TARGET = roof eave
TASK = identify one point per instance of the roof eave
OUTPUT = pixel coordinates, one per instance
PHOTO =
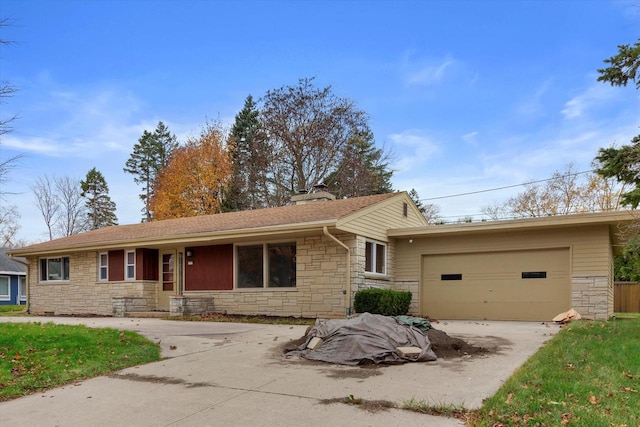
(558, 221)
(194, 238)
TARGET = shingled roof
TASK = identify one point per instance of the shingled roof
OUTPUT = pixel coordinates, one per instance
(317, 213)
(11, 266)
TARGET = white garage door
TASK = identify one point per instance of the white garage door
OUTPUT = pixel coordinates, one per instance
(515, 285)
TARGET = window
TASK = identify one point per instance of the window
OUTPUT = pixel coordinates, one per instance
(22, 291)
(4, 288)
(534, 274)
(130, 266)
(54, 269)
(250, 267)
(456, 276)
(375, 257)
(282, 265)
(270, 265)
(103, 266)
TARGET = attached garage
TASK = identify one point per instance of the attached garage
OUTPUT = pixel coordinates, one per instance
(528, 269)
(510, 285)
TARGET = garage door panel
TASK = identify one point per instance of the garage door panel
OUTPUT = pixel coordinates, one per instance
(490, 285)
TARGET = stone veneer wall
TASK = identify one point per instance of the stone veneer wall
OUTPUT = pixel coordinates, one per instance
(364, 280)
(592, 296)
(320, 281)
(83, 293)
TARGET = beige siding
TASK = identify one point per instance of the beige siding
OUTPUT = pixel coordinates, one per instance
(591, 259)
(590, 248)
(374, 221)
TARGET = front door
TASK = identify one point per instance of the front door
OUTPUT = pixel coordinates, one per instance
(167, 279)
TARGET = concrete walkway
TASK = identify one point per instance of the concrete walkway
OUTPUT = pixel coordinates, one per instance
(234, 374)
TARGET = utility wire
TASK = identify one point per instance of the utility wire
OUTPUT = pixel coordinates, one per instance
(505, 187)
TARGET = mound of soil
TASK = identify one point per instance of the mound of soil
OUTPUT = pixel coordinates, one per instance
(444, 346)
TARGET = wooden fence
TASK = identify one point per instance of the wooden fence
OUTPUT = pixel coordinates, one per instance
(626, 297)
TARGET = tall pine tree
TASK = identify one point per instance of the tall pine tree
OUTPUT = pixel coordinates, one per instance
(150, 155)
(362, 170)
(248, 153)
(100, 207)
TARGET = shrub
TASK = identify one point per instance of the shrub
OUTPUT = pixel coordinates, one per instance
(382, 301)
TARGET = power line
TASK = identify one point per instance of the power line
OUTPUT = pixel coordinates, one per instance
(505, 187)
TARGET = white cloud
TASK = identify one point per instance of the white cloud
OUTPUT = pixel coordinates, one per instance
(412, 148)
(591, 98)
(431, 71)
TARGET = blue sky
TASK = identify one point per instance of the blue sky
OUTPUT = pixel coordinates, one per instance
(466, 95)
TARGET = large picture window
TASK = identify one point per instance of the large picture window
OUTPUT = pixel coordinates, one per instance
(4, 288)
(270, 265)
(375, 257)
(54, 269)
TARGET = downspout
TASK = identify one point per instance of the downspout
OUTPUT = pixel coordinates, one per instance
(26, 264)
(348, 287)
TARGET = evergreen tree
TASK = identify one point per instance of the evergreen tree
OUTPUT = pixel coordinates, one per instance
(362, 170)
(150, 155)
(100, 207)
(247, 151)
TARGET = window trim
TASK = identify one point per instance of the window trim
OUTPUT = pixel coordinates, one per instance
(46, 278)
(266, 277)
(374, 257)
(102, 267)
(7, 296)
(127, 265)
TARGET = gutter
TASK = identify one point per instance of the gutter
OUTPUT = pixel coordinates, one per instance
(26, 264)
(347, 291)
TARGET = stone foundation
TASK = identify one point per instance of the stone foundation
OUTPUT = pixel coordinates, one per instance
(186, 306)
(592, 297)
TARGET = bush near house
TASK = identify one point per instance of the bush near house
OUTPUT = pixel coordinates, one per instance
(382, 301)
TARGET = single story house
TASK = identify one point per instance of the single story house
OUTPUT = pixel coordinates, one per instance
(13, 279)
(308, 259)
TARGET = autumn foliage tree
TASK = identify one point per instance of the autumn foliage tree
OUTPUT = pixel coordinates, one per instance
(194, 179)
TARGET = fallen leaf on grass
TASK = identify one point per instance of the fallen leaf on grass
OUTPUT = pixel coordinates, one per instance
(509, 397)
(628, 389)
(566, 418)
(594, 400)
(628, 375)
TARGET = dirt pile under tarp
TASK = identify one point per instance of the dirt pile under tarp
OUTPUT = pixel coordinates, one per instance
(364, 339)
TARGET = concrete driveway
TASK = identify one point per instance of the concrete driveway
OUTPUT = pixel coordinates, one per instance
(234, 374)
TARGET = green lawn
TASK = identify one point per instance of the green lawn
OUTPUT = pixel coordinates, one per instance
(37, 356)
(12, 310)
(587, 375)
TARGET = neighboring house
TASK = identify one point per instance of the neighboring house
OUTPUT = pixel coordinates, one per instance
(13, 279)
(308, 260)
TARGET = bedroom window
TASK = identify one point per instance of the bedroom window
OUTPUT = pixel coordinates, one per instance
(54, 269)
(103, 266)
(375, 257)
(270, 265)
(130, 265)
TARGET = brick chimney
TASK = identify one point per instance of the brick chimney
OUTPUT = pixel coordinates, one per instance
(317, 194)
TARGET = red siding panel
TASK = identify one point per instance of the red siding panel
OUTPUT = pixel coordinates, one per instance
(211, 268)
(147, 264)
(116, 266)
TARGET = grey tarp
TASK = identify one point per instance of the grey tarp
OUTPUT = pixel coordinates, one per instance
(367, 338)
